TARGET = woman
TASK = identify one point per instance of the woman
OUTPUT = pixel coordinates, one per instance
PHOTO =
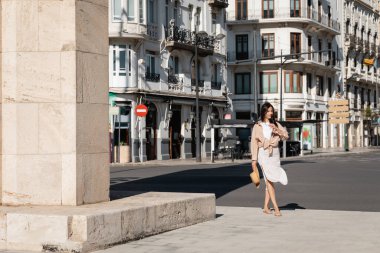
(266, 135)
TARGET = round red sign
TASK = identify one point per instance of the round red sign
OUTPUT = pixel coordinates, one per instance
(141, 110)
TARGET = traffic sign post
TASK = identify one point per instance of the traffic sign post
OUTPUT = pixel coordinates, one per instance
(141, 110)
(339, 113)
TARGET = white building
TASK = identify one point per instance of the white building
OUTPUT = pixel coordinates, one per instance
(152, 62)
(266, 28)
(361, 23)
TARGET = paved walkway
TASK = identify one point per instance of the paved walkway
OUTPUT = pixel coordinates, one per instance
(240, 229)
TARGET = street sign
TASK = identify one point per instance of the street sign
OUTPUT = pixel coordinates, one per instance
(338, 111)
(338, 121)
(339, 115)
(338, 102)
(141, 110)
(338, 108)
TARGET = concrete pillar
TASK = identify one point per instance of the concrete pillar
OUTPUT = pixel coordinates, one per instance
(54, 102)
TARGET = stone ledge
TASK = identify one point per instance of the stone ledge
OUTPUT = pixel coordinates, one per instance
(97, 226)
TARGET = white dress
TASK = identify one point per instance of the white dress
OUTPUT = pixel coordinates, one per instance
(270, 165)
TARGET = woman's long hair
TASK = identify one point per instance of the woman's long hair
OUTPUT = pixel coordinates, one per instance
(264, 109)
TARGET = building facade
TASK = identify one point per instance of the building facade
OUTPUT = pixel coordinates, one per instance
(306, 43)
(361, 69)
(152, 61)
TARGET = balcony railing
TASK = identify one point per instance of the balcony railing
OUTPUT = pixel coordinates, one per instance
(152, 31)
(153, 77)
(201, 83)
(239, 56)
(218, 3)
(173, 79)
(216, 85)
(180, 38)
(305, 13)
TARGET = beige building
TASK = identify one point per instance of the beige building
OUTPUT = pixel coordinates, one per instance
(152, 62)
(361, 29)
(300, 86)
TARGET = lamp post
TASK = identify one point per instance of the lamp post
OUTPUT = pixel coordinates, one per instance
(346, 126)
(197, 116)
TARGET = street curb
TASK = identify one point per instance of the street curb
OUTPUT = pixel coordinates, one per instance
(171, 163)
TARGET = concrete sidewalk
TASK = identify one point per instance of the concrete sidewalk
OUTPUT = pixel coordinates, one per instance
(316, 153)
(239, 229)
(247, 230)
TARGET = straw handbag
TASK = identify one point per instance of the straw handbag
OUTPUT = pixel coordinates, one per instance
(255, 177)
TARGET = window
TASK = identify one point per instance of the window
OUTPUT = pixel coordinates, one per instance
(293, 83)
(243, 83)
(174, 65)
(242, 47)
(117, 9)
(268, 82)
(309, 81)
(215, 77)
(121, 65)
(167, 12)
(295, 43)
(375, 99)
(319, 50)
(309, 47)
(319, 11)
(268, 9)
(329, 15)
(213, 25)
(131, 10)
(309, 7)
(268, 44)
(329, 86)
(141, 11)
(150, 63)
(151, 12)
(175, 13)
(241, 9)
(319, 86)
(295, 8)
(329, 53)
(369, 97)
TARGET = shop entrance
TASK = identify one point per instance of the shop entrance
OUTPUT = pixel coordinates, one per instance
(175, 138)
(151, 132)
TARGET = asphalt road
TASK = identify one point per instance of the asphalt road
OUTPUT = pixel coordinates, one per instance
(348, 183)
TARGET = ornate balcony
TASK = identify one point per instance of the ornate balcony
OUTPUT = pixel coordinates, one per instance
(218, 3)
(316, 20)
(153, 77)
(201, 83)
(216, 85)
(180, 38)
(173, 79)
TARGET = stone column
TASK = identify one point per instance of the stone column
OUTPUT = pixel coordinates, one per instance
(53, 73)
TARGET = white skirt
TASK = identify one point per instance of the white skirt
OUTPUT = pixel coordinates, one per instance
(271, 167)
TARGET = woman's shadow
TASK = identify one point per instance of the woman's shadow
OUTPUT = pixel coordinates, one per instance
(291, 206)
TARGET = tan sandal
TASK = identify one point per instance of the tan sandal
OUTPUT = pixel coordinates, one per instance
(278, 213)
(267, 211)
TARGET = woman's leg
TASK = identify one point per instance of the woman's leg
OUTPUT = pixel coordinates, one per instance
(267, 198)
(272, 195)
